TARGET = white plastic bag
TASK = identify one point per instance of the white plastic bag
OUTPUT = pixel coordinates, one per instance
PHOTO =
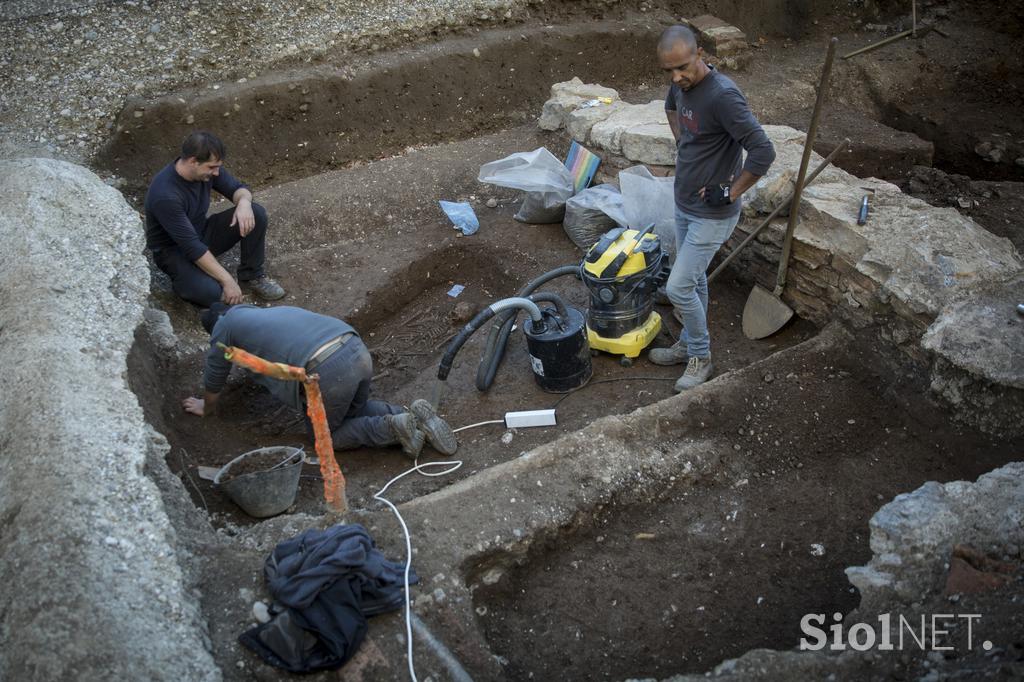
(545, 179)
(591, 213)
(647, 199)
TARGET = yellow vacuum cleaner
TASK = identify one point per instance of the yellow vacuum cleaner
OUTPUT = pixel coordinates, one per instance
(622, 271)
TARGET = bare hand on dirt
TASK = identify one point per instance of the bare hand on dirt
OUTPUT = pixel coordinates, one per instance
(244, 218)
(196, 406)
(232, 293)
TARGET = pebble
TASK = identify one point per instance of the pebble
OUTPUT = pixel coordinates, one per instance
(260, 612)
(506, 438)
(492, 203)
(769, 378)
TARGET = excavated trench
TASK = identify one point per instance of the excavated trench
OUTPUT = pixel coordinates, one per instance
(674, 577)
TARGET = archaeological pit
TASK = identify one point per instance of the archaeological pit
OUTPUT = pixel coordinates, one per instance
(835, 467)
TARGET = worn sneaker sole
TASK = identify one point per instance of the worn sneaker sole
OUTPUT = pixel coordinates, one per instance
(439, 434)
(408, 434)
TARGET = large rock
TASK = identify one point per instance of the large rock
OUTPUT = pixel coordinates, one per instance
(566, 98)
(608, 133)
(912, 536)
(93, 581)
(650, 143)
(580, 122)
(718, 37)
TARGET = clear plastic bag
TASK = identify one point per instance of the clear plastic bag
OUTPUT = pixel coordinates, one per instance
(591, 213)
(545, 179)
(648, 199)
(462, 216)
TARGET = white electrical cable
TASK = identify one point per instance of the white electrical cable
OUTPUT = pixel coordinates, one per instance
(473, 426)
(408, 542)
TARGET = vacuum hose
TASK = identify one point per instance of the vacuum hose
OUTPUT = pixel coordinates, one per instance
(497, 339)
(478, 321)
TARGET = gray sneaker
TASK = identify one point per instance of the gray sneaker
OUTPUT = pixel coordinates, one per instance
(403, 427)
(265, 288)
(673, 355)
(438, 433)
(698, 370)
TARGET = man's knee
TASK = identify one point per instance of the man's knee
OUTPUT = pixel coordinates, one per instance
(198, 288)
(260, 214)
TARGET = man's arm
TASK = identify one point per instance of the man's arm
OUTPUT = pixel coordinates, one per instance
(211, 266)
(243, 217)
(673, 122)
(215, 375)
(739, 122)
(670, 112)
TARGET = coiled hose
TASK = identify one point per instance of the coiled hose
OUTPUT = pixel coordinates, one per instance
(513, 305)
(497, 339)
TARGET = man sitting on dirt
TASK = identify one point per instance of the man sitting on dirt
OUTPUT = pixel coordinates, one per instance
(185, 242)
(712, 124)
(331, 349)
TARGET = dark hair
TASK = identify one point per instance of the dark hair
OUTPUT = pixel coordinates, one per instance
(203, 145)
(673, 35)
(210, 316)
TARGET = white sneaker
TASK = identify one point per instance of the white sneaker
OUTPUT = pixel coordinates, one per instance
(698, 370)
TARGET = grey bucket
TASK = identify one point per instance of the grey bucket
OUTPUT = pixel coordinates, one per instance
(264, 493)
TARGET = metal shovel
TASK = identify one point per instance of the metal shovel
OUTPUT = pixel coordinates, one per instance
(765, 313)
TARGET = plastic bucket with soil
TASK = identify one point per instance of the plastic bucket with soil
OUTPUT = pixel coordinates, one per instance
(263, 482)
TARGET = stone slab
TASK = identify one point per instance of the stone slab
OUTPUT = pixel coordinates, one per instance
(566, 98)
(608, 133)
(94, 584)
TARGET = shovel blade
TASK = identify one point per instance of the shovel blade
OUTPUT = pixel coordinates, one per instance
(764, 314)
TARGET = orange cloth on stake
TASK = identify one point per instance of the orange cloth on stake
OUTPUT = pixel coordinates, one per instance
(334, 480)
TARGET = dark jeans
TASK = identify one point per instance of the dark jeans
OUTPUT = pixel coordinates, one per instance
(354, 419)
(190, 282)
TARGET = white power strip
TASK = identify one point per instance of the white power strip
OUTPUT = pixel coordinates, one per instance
(519, 420)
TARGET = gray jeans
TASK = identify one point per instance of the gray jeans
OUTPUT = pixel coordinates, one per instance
(354, 419)
(697, 241)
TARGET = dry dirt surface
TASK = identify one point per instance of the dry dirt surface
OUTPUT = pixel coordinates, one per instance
(697, 574)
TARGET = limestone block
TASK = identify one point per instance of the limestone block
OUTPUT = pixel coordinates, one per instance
(650, 143)
(913, 535)
(566, 97)
(580, 121)
(608, 133)
(717, 37)
(983, 334)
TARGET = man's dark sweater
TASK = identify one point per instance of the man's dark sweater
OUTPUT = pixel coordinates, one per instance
(176, 209)
(280, 334)
(715, 126)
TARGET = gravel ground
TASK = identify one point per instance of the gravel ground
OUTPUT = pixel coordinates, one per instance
(65, 75)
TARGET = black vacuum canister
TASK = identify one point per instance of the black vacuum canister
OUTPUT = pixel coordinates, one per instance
(559, 351)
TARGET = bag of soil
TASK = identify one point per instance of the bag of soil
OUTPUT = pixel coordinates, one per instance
(647, 199)
(591, 213)
(545, 179)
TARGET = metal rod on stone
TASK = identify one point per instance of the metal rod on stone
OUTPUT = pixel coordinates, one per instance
(880, 43)
(778, 209)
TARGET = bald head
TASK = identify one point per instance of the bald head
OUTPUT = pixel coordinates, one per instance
(674, 36)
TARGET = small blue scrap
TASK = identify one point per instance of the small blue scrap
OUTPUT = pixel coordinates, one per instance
(456, 290)
(462, 215)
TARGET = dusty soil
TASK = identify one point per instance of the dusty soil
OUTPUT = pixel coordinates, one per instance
(707, 572)
(407, 318)
(819, 443)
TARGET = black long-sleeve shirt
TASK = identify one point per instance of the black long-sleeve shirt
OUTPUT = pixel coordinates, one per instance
(715, 126)
(176, 209)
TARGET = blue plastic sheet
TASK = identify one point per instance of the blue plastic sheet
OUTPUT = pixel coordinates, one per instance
(462, 216)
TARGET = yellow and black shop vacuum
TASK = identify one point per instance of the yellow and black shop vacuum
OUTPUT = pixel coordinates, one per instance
(622, 272)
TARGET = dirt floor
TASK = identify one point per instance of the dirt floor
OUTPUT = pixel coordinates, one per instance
(705, 572)
(708, 571)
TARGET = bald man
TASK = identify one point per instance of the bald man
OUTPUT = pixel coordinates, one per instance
(712, 125)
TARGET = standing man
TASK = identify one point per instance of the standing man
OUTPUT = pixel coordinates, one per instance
(185, 242)
(712, 125)
(330, 348)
